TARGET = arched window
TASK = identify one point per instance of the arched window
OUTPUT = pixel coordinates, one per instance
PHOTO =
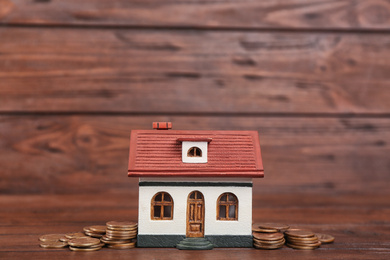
(194, 152)
(162, 206)
(227, 207)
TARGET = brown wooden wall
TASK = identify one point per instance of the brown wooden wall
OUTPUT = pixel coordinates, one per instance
(313, 77)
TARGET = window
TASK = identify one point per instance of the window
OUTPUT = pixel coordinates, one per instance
(162, 206)
(194, 152)
(227, 207)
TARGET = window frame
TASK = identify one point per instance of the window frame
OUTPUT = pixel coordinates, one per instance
(227, 204)
(162, 204)
(194, 148)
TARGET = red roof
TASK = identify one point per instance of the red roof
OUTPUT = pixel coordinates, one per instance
(230, 154)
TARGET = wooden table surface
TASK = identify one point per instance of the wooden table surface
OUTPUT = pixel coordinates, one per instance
(311, 76)
(359, 222)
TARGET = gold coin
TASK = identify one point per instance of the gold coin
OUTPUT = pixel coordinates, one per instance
(85, 249)
(268, 236)
(75, 235)
(325, 238)
(53, 244)
(301, 247)
(51, 237)
(276, 226)
(83, 242)
(121, 224)
(299, 233)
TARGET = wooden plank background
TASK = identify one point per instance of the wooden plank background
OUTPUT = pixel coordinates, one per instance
(311, 76)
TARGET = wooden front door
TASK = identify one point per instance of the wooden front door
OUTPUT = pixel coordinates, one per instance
(195, 214)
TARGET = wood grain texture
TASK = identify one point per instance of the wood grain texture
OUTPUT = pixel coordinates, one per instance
(81, 154)
(360, 223)
(311, 76)
(290, 14)
(138, 71)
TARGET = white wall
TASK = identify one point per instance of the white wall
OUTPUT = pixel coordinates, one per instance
(243, 226)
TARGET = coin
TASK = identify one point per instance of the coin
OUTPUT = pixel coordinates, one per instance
(116, 232)
(122, 246)
(83, 242)
(120, 237)
(275, 242)
(276, 226)
(299, 233)
(256, 228)
(53, 244)
(98, 229)
(90, 234)
(303, 239)
(98, 245)
(87, 229)
(301, 247)
(121, 224)
(51, 237)
(119, 241)
(269, 244)
(316, 243)
(63, 239)
(85, 249)
(325, 238)
(262, 246)
(75, 235)
(268, 236)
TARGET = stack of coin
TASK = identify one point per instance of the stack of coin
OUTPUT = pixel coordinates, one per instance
(268, 240)
(51, 241)
(268, 235)
(95, 231)
(269, 227)
(85, 244)
(301, 239)
(120, 234)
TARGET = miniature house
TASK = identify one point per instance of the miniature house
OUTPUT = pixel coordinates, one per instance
(194, 184)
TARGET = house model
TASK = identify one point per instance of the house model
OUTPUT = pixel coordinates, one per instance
(194, 186)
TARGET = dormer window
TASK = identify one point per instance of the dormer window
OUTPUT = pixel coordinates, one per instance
(194, 152)
(194, 149)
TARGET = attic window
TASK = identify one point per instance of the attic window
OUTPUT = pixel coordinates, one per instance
(194, 152)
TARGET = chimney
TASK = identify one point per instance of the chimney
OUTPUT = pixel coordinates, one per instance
(162, 125)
